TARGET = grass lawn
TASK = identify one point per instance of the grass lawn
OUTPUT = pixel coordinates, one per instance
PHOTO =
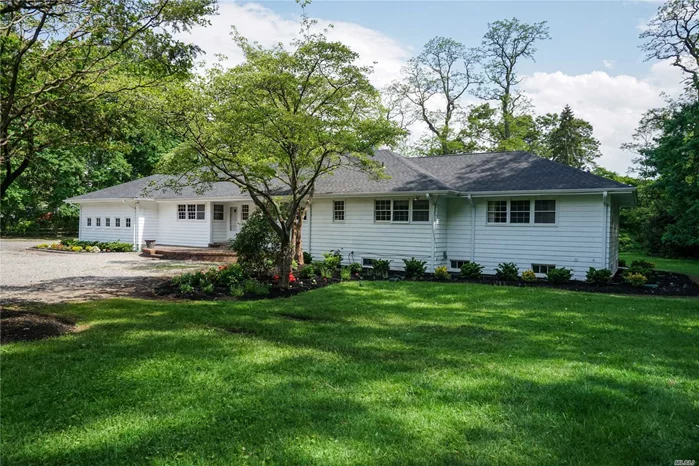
(382, 373)
(686, 266)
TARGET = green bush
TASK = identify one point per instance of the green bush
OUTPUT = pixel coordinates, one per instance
(308, 271)
(236, 291)
(636, 280)
(621, 263)
(507, 271)
(381, 267)
(112, 246)
(643, 264)
(254, 287)
(598, 277)
(441, 273)
(326, 272)
(414, 268)
(332, 260)
(637, 269)
(345, 273)
(559, 276)
(471, 270)
(307, 258)
(256, 244)
(528, 276)
(208, 288)
(356, 267)
(186, 289)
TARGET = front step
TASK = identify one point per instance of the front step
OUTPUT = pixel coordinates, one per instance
(193, 254)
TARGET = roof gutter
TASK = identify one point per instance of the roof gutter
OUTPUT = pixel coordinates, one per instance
(551, 192)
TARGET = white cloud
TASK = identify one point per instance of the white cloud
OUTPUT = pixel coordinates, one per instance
(609, 64)
(261, 24)
(612, 104)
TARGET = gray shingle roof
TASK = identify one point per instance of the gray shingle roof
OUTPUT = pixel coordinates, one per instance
(499, 171)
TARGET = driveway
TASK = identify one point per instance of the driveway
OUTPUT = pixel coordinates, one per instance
(40, 276)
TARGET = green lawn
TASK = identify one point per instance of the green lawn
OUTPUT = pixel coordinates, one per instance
(384, 373)
(686, 266)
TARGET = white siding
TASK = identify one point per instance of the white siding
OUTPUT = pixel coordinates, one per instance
(458, 230)
(613, 238)
(363, 237)
(147, 221)
(576, 242)
(439, 209)
(104, 233)
(176, 232)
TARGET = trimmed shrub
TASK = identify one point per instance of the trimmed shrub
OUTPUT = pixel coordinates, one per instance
(381, 267)
(636, 280)
(256, 244)
(471, 270)
(559, 276)
(307, 258)
(643, 264)
(414, 268)
(528, 276)
(441, 273)
(507, 271)
(598, 277)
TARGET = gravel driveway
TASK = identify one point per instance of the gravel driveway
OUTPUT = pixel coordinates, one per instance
(40, 276)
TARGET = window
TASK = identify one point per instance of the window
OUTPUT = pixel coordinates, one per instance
(98, 222)
(401, 209)
(457, 264)
(117, 222)
(545, 211)
(366, 262)
(107, 220)
(382, 211)
(338, 211)
(89, 221)
(128, 222)
(218, 211)
(542, 268)
(497, 211)
(421, 210)
(519, 211)
(244, 212)
(191, 211)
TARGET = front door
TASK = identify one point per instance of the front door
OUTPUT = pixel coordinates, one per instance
(232, 221)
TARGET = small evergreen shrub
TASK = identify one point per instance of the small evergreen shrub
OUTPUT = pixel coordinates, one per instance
(414, 268)
(507, 271)
(559, 276)
(307, 258)
(643, 264)
(441, 273)
(381, 267)
(471, 270)
(528, 276)
(636, 280)
(598, 277)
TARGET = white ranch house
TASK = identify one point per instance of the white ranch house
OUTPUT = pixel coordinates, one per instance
(486, 208)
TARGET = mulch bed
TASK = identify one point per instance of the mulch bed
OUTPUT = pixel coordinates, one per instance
(30, 326)
(170, 290)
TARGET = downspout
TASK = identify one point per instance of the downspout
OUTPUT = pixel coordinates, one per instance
(473, 228)
(605, 227)
(434, 237)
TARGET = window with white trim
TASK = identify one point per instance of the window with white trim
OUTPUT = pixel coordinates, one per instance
(127, 221)
(545, 211)
(421, 210)
(117, 222)
(458, 263)
(107, 221)
(98, 222)
(497, 211)
(338, 211)
(89, 221)
(218, 211)
(191, 211)
(382, 210)
(244, 212)
(542, 268)
(401, 210)
(520, 211)
(367, 262)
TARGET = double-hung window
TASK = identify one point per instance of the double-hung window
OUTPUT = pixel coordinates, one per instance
(244, 212)
(89, 221)
(107, 221)
(98, 222)
(128, 222)
(117, 222)
(421, 210)
(191, 211)
(522, 212)
(401, 210)
(497, 211)
(218, 211)
(338, 211)
(545, 211)
(382, 210)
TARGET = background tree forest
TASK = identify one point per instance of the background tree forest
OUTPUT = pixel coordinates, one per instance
(74, 114)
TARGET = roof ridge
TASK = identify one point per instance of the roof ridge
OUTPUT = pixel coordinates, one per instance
(416, 168)
(461, 154)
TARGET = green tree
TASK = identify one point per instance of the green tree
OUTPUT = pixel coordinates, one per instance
(569, 140)
(276, 124)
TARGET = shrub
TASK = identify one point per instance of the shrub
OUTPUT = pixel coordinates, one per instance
(441, 273)
(414, 268)
(94, 249)
(471, 270)
(186, 289)
(381, 267)
(228, 275)
(621, 263)
(643, 264)
(254, 287)
(236, 291)
(507, 271)
(256, 244)
(76, 249)
(636, 280)
(208, 288)
(118, 246)
(647, 272)
(42, 246)
(332, 260)
(307, 258)
(345, 273)
(326, 272)
(598, 277)
(308, 271)
(528, 276)
(355, 267)
(559, 276)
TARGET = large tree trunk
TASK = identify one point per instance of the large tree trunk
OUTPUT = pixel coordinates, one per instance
(297, 240)
(287, 256)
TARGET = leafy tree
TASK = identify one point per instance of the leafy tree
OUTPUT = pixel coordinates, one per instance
(504, 45)
(482, 131)
(569, 140)
(61, 60)
(277, 123)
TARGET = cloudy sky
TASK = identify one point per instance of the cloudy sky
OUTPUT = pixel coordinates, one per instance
(592, 63)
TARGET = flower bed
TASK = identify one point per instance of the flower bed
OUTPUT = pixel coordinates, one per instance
(77, 246)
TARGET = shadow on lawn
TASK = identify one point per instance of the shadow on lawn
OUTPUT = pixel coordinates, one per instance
(488, 378)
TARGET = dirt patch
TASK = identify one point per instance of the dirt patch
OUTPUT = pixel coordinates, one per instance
(30, 326)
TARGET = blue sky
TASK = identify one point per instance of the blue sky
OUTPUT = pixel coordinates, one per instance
(593, 61)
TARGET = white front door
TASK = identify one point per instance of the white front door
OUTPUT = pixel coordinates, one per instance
(232, 221)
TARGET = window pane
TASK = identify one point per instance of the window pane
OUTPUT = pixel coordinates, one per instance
(89, 221)
(545, 205)
(181, 211)
(544, 217)
(218, 211)
(519, 211)
(497, 211)
(401, 210)
(338, 211)
(382, 211)
(98, 221)
(545, 211)
(191, 211)
(117, 222)
(244, 212)
(128, 223)
(421, 210)
(201, 211)
(106, 221)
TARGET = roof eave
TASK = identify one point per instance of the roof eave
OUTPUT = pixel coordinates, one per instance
(549, 192)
